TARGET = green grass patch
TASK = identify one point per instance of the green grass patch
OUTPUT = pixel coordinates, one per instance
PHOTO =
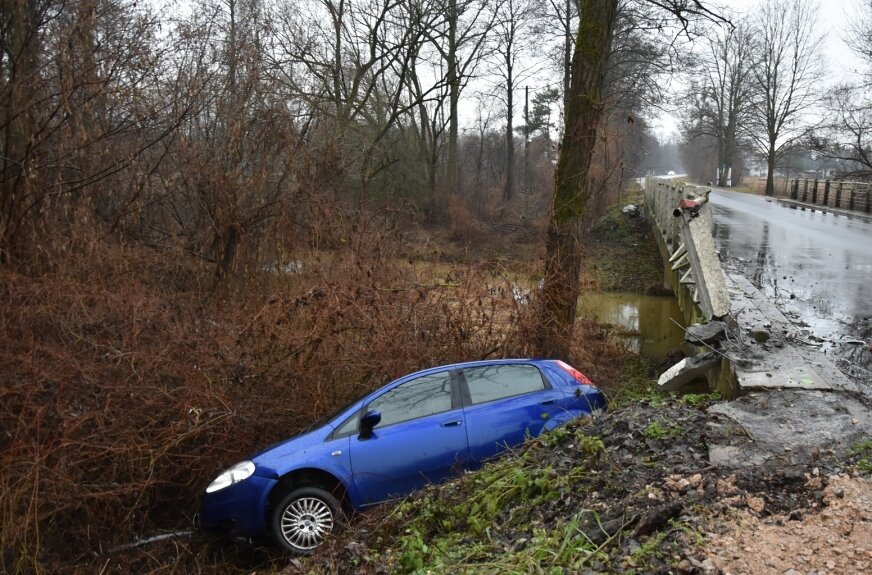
(662, 430)
(622, 254)
(700, 399)
(863, 450)
(637, 383)
(460, 527)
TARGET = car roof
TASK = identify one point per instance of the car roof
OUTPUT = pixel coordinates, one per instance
(478, 363)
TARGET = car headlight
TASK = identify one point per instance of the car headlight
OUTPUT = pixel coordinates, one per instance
(233, 474)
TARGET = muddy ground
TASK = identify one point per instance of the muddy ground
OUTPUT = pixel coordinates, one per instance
(648, 501)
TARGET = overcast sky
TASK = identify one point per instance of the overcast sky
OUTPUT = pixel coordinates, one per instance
(843, 65)
(835, 24)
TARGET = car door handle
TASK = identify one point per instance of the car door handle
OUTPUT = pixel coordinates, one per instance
(548, 402)
(453, 423)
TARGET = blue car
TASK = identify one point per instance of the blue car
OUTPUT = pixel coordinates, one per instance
(418, 429)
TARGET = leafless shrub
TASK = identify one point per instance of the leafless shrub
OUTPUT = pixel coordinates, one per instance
(128, 383)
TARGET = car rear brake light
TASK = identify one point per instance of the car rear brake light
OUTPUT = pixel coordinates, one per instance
(576, 375)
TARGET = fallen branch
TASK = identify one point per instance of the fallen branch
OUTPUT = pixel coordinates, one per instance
(149, 540)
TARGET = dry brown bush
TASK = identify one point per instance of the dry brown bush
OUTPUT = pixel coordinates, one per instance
(465, 225)
(126, 385)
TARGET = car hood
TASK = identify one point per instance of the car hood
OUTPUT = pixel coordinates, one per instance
(298, 447)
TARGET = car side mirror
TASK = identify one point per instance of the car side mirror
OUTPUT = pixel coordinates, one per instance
(369, 420)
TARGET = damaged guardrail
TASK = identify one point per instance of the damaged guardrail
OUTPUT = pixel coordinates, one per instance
(682, 215)
(738, 340)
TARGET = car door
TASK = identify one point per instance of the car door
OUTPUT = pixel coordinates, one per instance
(421, 438)
(503, 404)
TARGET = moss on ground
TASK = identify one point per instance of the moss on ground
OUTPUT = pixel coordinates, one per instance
(621, 254)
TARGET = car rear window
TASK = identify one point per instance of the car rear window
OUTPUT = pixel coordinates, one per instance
(498, 381)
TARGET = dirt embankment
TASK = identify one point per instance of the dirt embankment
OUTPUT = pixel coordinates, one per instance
(629, 492)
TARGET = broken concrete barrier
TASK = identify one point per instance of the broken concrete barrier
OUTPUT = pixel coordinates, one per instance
(688, 370)
(707, 333)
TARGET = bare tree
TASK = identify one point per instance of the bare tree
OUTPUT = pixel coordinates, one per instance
(510, 47)
(860, 36)
(356, 65)
(846, 134)
(786, 74)
(21, 43)
(721, 94)
(641, 58)
(584, 106)
(76, 85)
(428, 93)
(572, 181)
(559, 20)
(460, 42)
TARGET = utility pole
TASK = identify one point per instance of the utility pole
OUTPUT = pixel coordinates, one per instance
(527, 142)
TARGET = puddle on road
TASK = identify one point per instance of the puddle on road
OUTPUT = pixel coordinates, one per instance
(815, 267)
(647, 319)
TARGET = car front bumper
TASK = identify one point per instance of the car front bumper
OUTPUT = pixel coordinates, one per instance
(240, 509)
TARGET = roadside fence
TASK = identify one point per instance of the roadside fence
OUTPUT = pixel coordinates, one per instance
(851, 196)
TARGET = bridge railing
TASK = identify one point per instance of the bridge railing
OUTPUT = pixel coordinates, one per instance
(849, 196)
(682, 216)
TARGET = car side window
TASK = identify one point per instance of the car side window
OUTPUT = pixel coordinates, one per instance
(498, 381)
(419, 397)
(347, 427)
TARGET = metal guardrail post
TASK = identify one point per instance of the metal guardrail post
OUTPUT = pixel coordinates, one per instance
(868, 200)
(826, 201)
(852, 196)
(805, 190)
(794, 194)
(839, 195)
(814, 191)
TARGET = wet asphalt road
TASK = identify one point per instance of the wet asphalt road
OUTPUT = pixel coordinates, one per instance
(816, 267)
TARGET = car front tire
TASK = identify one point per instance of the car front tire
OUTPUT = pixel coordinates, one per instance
(304, 518)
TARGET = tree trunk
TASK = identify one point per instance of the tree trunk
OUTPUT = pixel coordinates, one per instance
(770, 172)
(567, 55)
(21, 19)
(454, 98)
(572, 185)
(509, 191)
(729, 154)
(87, 101)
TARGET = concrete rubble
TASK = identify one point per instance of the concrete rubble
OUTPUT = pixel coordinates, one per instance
(687, 371)
(791, 401)
(706, 333)
(788, 427)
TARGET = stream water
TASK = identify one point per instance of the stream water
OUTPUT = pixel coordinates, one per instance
(646, 319)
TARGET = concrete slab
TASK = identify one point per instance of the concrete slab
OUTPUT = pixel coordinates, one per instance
(687, 371)
(789, 426)
(770, 356)
(706, 333)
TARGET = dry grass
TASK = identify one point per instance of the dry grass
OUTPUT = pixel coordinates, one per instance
(127, 383)
(757, 186)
